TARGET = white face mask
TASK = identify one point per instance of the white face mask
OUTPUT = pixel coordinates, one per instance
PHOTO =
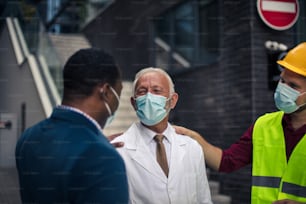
(285, 98)
(151, 108)
(111, 115)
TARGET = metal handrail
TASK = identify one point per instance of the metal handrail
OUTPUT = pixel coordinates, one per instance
(175, 56)
(42, 79)
(16, 45)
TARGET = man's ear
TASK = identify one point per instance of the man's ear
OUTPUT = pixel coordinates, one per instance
(173, 100)
(103, 89)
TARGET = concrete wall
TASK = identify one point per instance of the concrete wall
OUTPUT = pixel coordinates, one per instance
(17, 87)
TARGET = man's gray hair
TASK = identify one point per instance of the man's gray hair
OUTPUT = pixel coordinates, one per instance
(153, 69)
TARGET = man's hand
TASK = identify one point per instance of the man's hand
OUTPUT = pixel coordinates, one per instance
(185, 131)
(286, 201)
(212, 153)
(115, 144)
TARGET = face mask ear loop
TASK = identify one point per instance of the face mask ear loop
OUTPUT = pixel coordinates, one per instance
(108, 108)
(302, 105)
(135, 103)
(169, 99)
(302, 94)
(106, 105)
(115, 93)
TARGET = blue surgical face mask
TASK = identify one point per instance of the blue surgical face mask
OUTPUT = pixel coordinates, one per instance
(111, 115)
(110, 119)
(285, 98)
(151, 108)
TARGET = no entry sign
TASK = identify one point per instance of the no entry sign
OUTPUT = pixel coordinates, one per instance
(278, 14)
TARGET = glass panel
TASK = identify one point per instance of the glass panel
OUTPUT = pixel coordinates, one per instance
(161, 56)
(36, 38)
(94, 7)
(184, 27)
(163, 28)
(191, 31)
(66, 16)
(45, 49)
(208, 30)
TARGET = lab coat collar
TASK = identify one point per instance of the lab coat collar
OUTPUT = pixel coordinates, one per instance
(148, 135)
(139, 151)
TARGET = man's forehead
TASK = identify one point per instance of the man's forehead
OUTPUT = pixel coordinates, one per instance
(154, 76)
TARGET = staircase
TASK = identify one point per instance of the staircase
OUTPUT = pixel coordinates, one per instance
(125, 115)
(216, 197)
(67, 44)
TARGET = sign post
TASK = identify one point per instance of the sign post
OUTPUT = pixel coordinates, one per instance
(278, 14)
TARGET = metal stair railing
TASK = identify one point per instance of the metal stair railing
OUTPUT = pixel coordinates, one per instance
(45, 86)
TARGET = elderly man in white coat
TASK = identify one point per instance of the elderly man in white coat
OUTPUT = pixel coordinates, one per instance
(171, 171)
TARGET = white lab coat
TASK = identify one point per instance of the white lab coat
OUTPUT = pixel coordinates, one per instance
(187, 181)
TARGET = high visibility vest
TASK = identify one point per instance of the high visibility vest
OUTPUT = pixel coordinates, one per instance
(272, 177)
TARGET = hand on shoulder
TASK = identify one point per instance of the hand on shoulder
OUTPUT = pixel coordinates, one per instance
(185, 131)
(112, 137)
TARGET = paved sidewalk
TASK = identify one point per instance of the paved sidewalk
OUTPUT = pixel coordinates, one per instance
(9, 187)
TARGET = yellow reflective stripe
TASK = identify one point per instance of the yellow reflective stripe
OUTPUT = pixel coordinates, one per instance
(294, 189)
(266, 181)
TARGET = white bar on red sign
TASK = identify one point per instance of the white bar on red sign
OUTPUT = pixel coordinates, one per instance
(278, 6)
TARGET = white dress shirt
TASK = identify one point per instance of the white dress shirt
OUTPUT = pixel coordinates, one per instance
(148, 137)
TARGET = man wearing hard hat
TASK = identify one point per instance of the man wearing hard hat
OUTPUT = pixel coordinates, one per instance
(275, 144)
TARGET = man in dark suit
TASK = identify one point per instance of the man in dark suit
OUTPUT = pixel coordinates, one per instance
(66, 158)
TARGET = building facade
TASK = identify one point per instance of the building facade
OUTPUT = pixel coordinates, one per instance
(216, 53)
(220, 54)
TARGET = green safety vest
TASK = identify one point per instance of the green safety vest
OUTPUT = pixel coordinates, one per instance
(272, 177)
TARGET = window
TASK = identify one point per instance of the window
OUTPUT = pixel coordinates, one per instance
(184, 30)
(187, 35)
(301, 23)
(208, 30)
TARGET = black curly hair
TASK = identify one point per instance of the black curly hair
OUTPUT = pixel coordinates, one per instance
(86, 69)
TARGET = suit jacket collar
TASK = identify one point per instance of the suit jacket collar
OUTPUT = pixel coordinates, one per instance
(74, 118)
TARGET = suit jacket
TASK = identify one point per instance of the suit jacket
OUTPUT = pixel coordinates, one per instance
(187, 181)
(66, 159)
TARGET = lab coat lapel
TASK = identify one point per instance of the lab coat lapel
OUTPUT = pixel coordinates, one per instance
(141, 154)
(178, 152)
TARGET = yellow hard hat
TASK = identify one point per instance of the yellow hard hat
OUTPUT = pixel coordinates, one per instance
(295, 60)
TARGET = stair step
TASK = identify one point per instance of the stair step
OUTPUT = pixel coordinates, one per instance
(221, 199)
(67, 44)
(214, 187)
(125, 114)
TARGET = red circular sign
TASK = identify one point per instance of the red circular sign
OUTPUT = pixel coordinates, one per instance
(278, 14)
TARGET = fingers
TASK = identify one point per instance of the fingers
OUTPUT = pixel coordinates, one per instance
(185, 131)
(111, 137)
(118, 144)
(180, 130)
(115, 144)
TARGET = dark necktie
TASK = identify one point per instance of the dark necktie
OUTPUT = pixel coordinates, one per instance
(161, 153)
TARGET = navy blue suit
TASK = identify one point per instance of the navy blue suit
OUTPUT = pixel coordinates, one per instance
(66, 159)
